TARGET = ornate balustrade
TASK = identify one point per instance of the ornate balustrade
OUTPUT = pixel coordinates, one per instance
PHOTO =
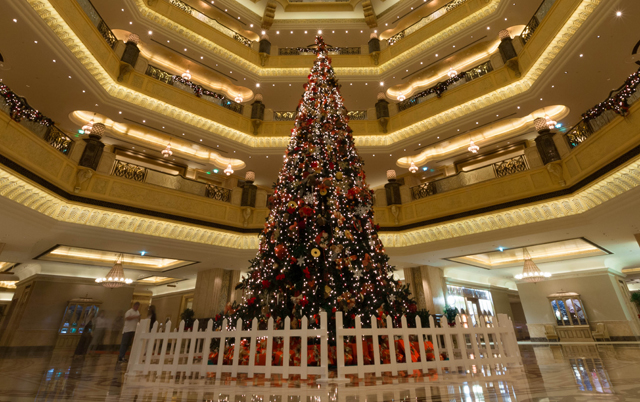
(291, 116)
(308, 51)
(218, 193)
(197, 90)
(129, 171)
(211, 22)
(59, 140)
(533, 24)
(424, 21)
(442, 86)
(467, 178)
(98, 22)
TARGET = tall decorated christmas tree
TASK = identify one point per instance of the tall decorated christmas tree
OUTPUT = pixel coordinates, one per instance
(320, 249)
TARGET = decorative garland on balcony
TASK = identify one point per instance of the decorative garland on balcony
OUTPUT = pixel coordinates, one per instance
(197, 89)
(438, 89)
(618, 102)
(20, 109)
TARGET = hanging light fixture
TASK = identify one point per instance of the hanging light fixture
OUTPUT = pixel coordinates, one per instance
(401, 98)
(452, 73)
(238, 99)
(86, 129)
(229, 170)
(473, 148)
(413, 168)
(550, 123)
(167, 152)
(115, 278)
(186, 75)
(530, 271)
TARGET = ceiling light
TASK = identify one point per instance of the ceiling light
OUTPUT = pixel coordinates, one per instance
(424, 168)
(150, 32)
(413, 168)
(381, 84)
(618, 14)
(251, 25)
(530, 271)
(320, 31)
(277, 32)
(15, 20)
(452, 73)
(115, 278)
(166, 153)
(473, 148)
(186, 75)
(229, 170)
(238, 99)
(581, 55)
(35, 41)
(257, 85)
(263, 32)
(401, 98)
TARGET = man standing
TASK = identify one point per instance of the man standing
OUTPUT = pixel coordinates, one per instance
(131, 318)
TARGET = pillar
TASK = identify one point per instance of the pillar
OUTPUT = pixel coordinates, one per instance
(427, 287)
(382, 111)
(506, 48)
(249, 190)
(392, 189)
(213, 291)
(264, 49)
(94, 147)
(544, 142)
(131, 50)
(257, 113)
(374, 48)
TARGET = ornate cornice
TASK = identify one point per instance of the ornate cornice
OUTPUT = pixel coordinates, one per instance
(17, 189)
(53, 19)
(620, 181)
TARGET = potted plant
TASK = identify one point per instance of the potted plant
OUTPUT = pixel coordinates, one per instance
(450, 312)
(187, 316)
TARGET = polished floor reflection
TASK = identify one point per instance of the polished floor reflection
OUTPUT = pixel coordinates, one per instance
(575, 372)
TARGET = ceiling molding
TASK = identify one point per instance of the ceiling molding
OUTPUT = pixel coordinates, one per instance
(60, 28)
(620, 181)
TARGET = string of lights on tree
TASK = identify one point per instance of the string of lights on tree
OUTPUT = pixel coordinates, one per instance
(618, 102)
(319, 249)
(19, 109)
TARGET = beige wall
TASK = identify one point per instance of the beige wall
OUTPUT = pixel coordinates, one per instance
(501, 302)
(599, 294)
(168, 306)
(41, 302)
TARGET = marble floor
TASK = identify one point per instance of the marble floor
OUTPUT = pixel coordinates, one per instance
(576, 372)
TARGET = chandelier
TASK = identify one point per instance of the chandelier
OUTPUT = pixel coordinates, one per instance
(115, 278)
(550, 123)
(530, 271)
(167, 152)
(473, 148)
(413, 168)
(229, 170)
(238, 99)
(401, 98)
(452, 73)
(186, 75)
(86, 129)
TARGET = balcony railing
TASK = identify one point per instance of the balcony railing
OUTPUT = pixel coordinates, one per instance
(617, 103)
(297, 51)
(196, 89)
(211, 22)
(424, 21)
(439, 88)
(533, 24)
(20, 111)
(131, 171)
(98, 22)
(291, 116)
(466, 178)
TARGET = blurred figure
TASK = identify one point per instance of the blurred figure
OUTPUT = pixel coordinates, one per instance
(85, 339)
(100, 325)
(151, 315)
(131, 319)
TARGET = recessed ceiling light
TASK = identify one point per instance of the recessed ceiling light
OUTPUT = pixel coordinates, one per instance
(185, 49)
(130, 22)
(263, 32)
(488, 27)
(305, 31)
(119, 112)
(420, 62)
(291, 32)
(144, 121)
(251, 25)
(381, 84)
(54, 61)
(619, 14)
(366, 83)
(168, 41)
(201, 58)
(257, 85)
(83, 91)
(581, 54)
(320, 31)
(518, 107)
(35, 41)
(436, 54)
(15, 20)
(277, 32)
(200, 139)
(69, 76)
(346, 31)
(123, 10)
(150, 32)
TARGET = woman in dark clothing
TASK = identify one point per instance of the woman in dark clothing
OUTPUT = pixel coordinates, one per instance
(151, 314)
(85, 339)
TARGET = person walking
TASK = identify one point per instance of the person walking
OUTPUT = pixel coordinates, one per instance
(101, 323)
(151, 315)
(131, 318)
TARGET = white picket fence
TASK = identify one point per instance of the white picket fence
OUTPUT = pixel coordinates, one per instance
(468, 348)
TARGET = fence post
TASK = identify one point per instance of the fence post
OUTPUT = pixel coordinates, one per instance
(136, 349)
(324, 347)
(339, 344)
(286, 340)
(376, 346)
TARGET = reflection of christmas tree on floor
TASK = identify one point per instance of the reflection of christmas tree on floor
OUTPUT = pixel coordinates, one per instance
(320, 248)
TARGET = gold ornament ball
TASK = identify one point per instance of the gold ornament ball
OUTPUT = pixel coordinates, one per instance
(292, 204)
(315, 253)
(339, 175)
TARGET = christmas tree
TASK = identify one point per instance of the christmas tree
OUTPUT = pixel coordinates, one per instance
(320, 249)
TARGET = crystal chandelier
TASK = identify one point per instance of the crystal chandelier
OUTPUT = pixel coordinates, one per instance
(550, 123)
(238, 99)
(473, 148)
(413, 168)
(452, 73)
(401, 98)
(229, 170)
(115, 278)
(186, 75)
(167, 152)
(530, 271)
(86, 129)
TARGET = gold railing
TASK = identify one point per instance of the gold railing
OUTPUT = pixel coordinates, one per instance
(423, 190)
(534, 23)
(129, 171)
(425, 21)
(284, 116)
(357, 114)
(218, 193)
(58, 140)
(511, 166)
